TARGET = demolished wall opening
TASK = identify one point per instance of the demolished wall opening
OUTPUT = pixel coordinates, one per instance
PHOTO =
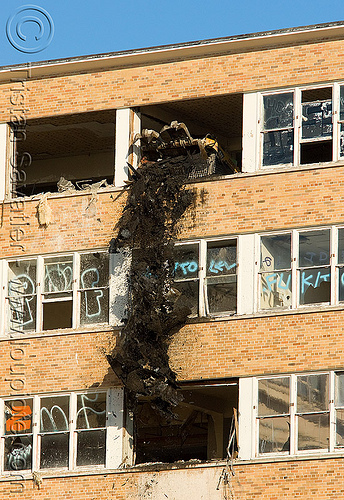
(200, 430)
(218, 118)
(78, 147)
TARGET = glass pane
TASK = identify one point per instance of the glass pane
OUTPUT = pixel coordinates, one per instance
(58, 274)
(91, 411)
(221, 259)
(278, 111)
(316, 119)
(22, 278)
(222, 294)
(54, 415)
(18, 451)
(185, 261)
(340, 428)
(278, 147)
(341, 112)
(94, 270)
(341, 246)
(312, 393)
(54, 450)
(274, 435)
(275, 290)
(22, 313)
(189, 291)
(341, 151)
(18, 416)
(94, 306)
(275, 252)
(314, 248)
(339, 401)
(341, 283)
(313, 431)
(91, 448)
(315, 285)
(273, 396)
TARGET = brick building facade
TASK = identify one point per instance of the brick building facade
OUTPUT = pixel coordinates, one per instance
(260, 260)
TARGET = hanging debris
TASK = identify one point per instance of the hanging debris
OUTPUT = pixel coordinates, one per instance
(44, 212)
(157, 199)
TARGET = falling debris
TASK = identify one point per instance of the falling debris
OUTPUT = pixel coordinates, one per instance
(64, 185)
(44, 212)
(157, 200)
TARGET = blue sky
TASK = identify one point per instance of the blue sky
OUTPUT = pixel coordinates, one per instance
(83, 27)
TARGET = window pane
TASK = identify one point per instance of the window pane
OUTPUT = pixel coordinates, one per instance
(278, 147)
(22, 278)
(91, 448)
(94, 270)
(189, 291)
(18, 416)
(57, 314)
(275, 252)
(341, 283)
(341, 246)
(185, 261)
(278, 111)
(274, 434)
(341, 115)
(91, 411)
(58, 274)
(222, 294)
(339, 401)
(54, 415)
(22, 313)
(314, 248)
(313, 431)
(18, 451)
(275, 290)
(316, 119)
(312, 393)
(340, 428)
(341, 151)
(221, 259)
(273, 396)
(94, 306)
(54, 450)
(315, 285)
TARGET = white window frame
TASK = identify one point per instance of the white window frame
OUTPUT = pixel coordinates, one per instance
(295, 269)
(202, 274)
(113, 428)
(76, 291)
(253, 126)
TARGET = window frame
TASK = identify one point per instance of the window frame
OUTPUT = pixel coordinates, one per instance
(334, 266)
(6, 329)
(203, 307)
(332, 408)
(113, 428)
(297, 123)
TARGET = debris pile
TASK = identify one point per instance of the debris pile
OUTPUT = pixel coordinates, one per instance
(157, 199)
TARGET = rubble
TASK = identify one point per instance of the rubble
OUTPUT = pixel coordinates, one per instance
(157, 199)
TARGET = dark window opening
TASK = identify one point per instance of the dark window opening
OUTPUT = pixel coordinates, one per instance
(57, 314)
(215, 121)
(200, 431)
(79, 148)
(316, 152)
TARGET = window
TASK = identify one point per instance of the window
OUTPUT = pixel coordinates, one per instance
(206, 275)
(64, 291)
(299, 414)
(61, 431)
(299, 268)
(302, 126)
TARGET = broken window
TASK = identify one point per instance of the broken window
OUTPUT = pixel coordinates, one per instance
(79, 148)
(293, 413)
(73, 292)
(62, 431)
(290, 137)
(201, 429)
(206, 275)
